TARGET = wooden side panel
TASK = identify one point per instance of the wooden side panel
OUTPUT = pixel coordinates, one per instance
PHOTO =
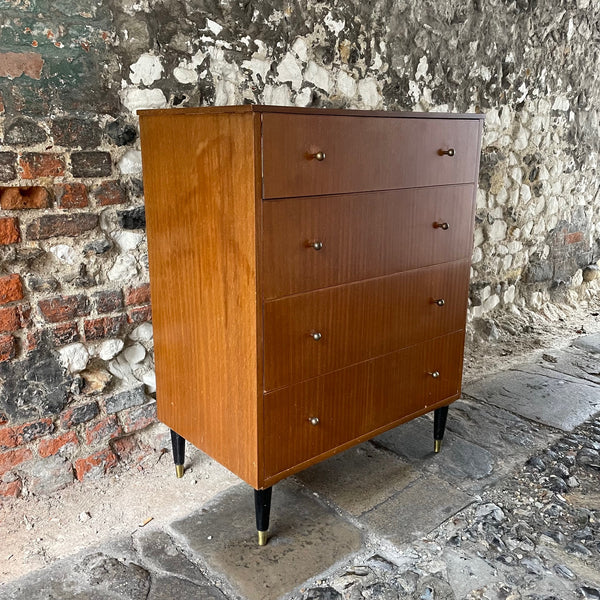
(199, 181)
(362, 236)
(361, 320)
(365, 153)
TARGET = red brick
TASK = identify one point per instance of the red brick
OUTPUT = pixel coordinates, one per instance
(573, 238)
(50, 226)
(67, 333)
(110, 192)
(11, 288)
(15, 64)
(32, 340)
(109, 301)
(12, 458)
(95, 465)
(137, 295)
(11, 489)
(11, 437)
(9, 319)
(139, 314)
(64, 308)
(8, 347)
(104, 327)
(138, 417)
(71, 195)
(130, 448)
(53, 446)
(104, 430)
(9, 231)
(18, 198)
(40, 164)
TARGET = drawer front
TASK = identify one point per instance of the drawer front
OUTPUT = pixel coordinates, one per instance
(355, 401)
(407, 381)
(314, 333)
(311, 243)
(364, 153)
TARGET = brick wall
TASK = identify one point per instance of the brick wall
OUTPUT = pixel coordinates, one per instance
(76, 363)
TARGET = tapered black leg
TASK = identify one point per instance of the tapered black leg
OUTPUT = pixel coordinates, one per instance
(262, 507)
(178, 444)
(439, 426)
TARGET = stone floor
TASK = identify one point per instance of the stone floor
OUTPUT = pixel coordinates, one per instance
(510, 509)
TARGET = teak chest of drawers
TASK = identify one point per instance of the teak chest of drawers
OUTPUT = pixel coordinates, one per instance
(309, 276)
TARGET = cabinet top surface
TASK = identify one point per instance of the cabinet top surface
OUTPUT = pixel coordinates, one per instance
(257, 108)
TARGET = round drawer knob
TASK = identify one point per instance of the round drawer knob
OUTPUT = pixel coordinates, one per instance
(443, 226)
(319, 155)
(316, 245)
(440, 302)
(435, 374)
(313, 420)
(316, 336)
(449, 152)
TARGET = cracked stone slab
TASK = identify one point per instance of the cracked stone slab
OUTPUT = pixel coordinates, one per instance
(110, 572)
(577, 363)
(416, 510)
(359, 479)
(158, 552)
(173, 588)
(554, 399)
(305, 539)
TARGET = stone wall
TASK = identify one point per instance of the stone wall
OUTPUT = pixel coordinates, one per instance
(76, 365)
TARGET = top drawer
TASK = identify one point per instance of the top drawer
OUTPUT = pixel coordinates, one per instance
(364, 153)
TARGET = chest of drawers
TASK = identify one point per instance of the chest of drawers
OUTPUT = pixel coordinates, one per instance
(309, 275)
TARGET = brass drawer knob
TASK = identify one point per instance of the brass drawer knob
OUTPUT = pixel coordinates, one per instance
(318, 155)
(440, 302)
(449, 152)
(316, 245)
(316, 336)
(443, 226)
(313, 420)
(435, 374)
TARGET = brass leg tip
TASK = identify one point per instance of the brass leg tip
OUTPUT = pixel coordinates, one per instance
(437, 446)
(262, 538)
(179, 471)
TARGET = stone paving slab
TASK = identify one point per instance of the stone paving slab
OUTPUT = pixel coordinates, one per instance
(109, 572)
(416, 510)
(360, 478)
(158, 552)
(306, 538)
(572, 361)
(460, 462)
(560, 401)
(173, 588)
(589, 343)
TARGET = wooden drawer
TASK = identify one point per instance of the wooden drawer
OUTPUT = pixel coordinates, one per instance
(364, 153)
(360, 236)
(356, 401)
(359, 321)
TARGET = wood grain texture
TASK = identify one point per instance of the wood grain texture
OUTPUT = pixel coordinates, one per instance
(236, 294)
(199, 178)
(362, 236)
(357, 401)
(360, 320)
(364, 154)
